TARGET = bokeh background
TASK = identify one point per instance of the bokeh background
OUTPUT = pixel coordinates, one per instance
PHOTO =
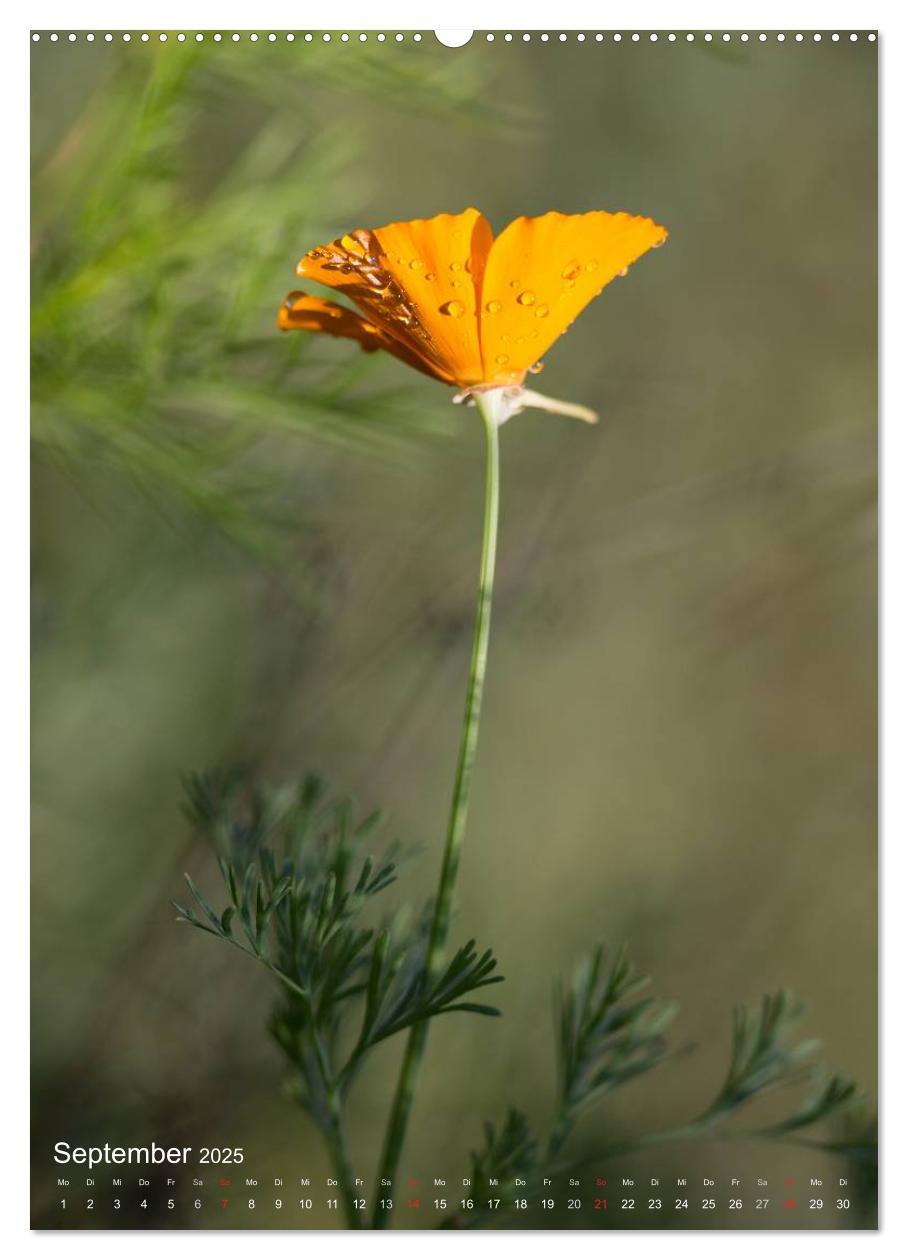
(257, 548)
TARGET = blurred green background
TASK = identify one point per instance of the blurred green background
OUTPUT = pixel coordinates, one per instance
(263, 548)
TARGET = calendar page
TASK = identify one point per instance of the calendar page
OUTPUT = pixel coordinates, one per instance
(454, 629)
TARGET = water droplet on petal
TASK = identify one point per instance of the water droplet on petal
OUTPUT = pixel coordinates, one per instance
(430, 275)
(512, 284)
(537, 367)
(592, 265)
(493, 307)
(541, 311)
(623, 271)
(571, 270)
(502, 359)
(526, 298)
(416, 264)
(468, 266)
(455, 266)
(455, 309)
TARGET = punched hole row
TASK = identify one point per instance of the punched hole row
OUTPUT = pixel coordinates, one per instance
(526, 37)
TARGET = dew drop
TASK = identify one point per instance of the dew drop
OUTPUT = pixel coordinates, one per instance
(502, 359)
(623, 271)
(537, 367)
(592, 265)
(493, 307)
(455, 309)
(416, 264)
(430, 275)
(572, 270)
(542, 311)
(455, 266)
(526, 298)
(468, 266)
(512, 284)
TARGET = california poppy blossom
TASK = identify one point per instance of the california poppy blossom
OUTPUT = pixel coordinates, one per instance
(472, 310)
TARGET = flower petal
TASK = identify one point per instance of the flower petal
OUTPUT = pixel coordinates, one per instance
(314, 314)
(541, 273)
(440, 262)
(417, 282)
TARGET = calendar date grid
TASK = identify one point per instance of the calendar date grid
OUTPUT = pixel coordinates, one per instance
(430, 1201)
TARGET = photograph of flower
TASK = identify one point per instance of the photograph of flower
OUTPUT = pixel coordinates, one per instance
(446, 814)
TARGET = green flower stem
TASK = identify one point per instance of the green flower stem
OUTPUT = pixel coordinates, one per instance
(416, 1043)
(337, 1143)
(335, 1134)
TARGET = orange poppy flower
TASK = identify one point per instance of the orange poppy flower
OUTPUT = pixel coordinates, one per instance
(472, 310)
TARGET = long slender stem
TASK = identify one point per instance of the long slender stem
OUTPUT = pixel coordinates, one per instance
(416, 1043)
(341, 1159)
(335, 1134)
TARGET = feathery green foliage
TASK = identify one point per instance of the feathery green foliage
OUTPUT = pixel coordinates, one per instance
(302, 881)
(506, 1152)
(762, 1057)
(161, 252)
(608, 1035)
